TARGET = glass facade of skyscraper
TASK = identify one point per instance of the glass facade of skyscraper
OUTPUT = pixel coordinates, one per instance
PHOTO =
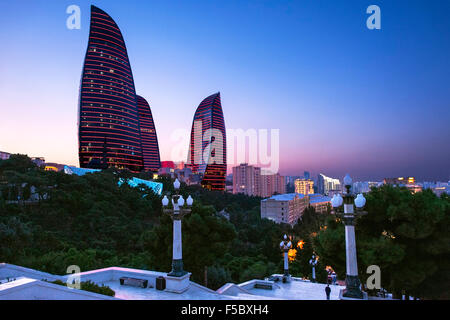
(109, 133)
(207, 148)
(149, 139)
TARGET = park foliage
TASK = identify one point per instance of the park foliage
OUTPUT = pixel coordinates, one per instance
(50, 220)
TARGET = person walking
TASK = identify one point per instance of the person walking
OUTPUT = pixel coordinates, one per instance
(333, 278)
(328, 291)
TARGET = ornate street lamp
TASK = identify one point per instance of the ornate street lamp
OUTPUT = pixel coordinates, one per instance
(285, 245)
(349, 215)
(179, 209)
(313, 262)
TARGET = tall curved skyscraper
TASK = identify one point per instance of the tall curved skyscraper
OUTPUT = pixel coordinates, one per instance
(149, 139)
(108, 129)
(207, 149)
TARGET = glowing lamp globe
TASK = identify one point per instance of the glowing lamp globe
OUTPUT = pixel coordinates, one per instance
(360, 201)
(176, 184)
(165, 201)
(335, 201)
(189, 201)
(180, 201)
(341, 200)
(347, 180)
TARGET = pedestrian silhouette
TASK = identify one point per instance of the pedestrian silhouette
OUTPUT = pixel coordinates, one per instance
(328, 291)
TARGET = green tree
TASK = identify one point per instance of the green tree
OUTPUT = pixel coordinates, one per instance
(217, 277)
(206, 238)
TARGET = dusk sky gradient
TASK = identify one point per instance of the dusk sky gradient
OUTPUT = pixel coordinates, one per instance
(373, 103)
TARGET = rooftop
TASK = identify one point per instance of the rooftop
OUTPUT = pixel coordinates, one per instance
(194, 292)
(79, 171)
(313, 198)
(296, 289)
(285, 197)
(32, 289)
(29, 284)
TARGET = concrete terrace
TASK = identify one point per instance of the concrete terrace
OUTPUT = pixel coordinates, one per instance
(19, 283)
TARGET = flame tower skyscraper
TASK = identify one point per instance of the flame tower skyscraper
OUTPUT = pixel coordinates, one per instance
(109, 130)
(207, 149)
(149, 139)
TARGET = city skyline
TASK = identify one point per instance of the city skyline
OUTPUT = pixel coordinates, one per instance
(281, 71)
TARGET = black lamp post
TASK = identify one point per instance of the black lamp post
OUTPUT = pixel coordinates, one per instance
(178, 210)
(313, 262)
(348, 215)
(285, 245)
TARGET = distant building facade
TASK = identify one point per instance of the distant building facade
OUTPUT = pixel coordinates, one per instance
(247, 180)
(288, 208)
(408, 182)
(39, 161)
(284, 208)
(272, 184)
(254, 181)
(360, 187)
(168, 164)
(183, 175)
(439, 191)
(327, 185)
(319, 202)
(438, 188)
(4, 155)
(290, 183)
(49, 166)
(400, 181)
(364, 186)
(304, 186)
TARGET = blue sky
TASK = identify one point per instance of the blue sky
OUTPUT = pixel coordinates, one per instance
(374, 103)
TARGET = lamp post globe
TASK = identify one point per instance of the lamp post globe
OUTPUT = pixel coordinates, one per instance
(181, 201)
(165, 201)
(340, 200)
(176, 184)
(360, 201)
(189, 201)
(335, 201)
(347, 180)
